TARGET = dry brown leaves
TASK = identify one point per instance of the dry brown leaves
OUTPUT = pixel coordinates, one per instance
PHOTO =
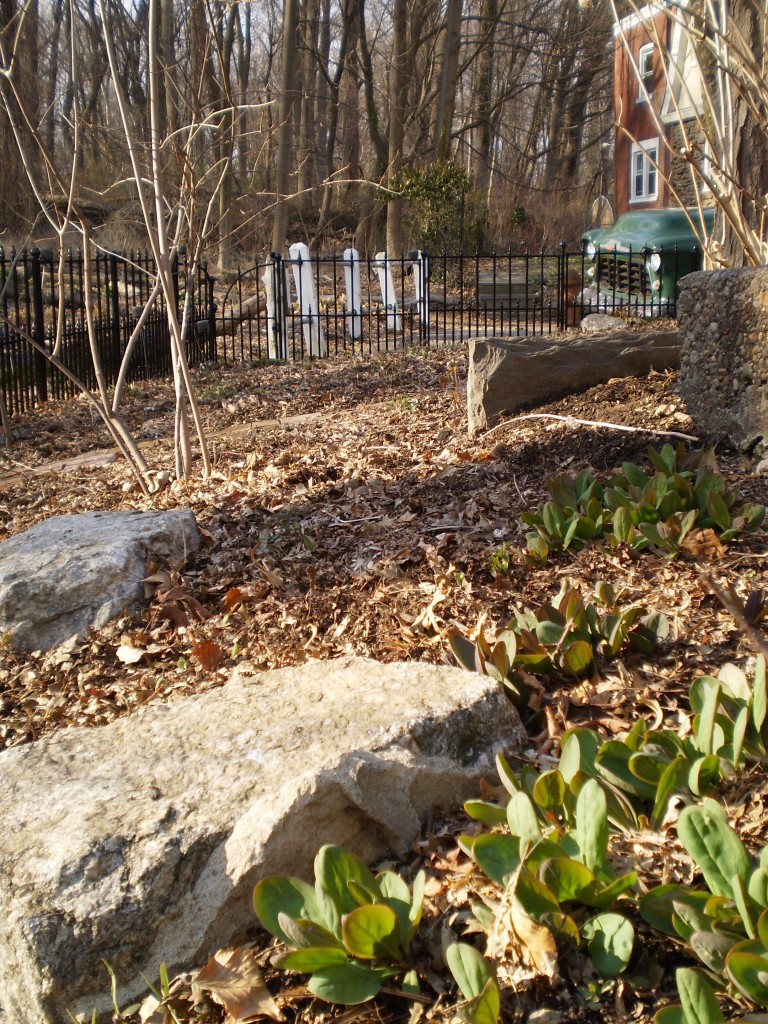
(349, 514)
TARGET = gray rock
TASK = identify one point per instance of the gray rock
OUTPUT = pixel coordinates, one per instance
(141, 842)
(507, 375)
(594, 323)
(723, 316)
(71, 572)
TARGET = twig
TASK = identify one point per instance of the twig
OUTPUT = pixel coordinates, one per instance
(732, 605)
(572, 421)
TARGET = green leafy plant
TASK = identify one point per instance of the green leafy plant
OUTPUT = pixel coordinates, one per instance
(554, 856)
(638, 509)
(726, 924)
(477, 983)
(351, 932)
(565, 637)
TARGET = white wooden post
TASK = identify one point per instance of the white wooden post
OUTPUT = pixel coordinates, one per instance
(351, 259)
(420, 268)
(305, 289)
(388, 293)
(276, 333)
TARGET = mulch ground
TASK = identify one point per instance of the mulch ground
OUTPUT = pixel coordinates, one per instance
(349, 513)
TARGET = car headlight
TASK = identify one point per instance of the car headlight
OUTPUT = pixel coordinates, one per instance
(656, 285)
(590, 252)
(590, 272)
(654, 262)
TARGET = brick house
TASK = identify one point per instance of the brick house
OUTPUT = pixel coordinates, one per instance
(650, 103)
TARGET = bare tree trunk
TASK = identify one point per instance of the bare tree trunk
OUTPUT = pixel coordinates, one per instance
(397, 94)
(446, 97)
(287, 93)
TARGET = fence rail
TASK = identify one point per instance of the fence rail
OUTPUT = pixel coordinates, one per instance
(300, 306)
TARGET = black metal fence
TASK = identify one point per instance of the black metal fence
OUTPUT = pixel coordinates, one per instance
(301, 307)
(43, 311)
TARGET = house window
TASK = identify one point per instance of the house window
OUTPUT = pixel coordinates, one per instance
(643, 168)
(645, 71)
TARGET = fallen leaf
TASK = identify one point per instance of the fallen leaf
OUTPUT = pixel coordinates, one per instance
(234, 980)
(208, 653)
(129, 655)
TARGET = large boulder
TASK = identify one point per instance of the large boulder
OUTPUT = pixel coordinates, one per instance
(141, 842)
(71, 572)
(723, 318)
(508, 375)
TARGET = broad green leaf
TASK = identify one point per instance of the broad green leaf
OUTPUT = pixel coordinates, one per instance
(549, 633)
(334, 867)
(361, 895)
(749, 973)
(372, 933)
(578, 656)
(308, 960)
(711, 949)
(612, 762)
(610, 938)
(703, 773)
(535, 897)
(470, 970)
(673, 1014)
(279, 894)
(522, 818)
(565, 878)
(410, 983)
(740, 727)
(623, 527)
(707, 718)
(634, 474)
(347, 984)
(486, 812)
(744, 905)
(759, 699)
(762, 928)
(497, 855)
(714, 846)
(305, 934)
(718, 510)
(484, 1009)
(697, 998)
(506, 775)
(417, 899)
(592, 825)
(657, 907)
(648, 767)
(604, 897)
(579, 747)
(393, 886)
(463, 651)
(549, 791)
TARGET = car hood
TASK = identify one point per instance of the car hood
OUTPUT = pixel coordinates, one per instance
(653, 229)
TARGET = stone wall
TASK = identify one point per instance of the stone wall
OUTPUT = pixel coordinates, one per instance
(723, 318)
(682, 177)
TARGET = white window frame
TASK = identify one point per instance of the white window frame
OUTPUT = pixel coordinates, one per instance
(648, 151)
(645, 74)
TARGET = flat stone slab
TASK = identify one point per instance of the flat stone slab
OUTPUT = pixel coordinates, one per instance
(141, 842)
(506, 375)
(72, 572)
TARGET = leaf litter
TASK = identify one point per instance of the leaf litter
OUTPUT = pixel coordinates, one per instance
(350, 514)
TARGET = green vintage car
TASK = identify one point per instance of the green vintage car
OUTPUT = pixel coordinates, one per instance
(639, 259)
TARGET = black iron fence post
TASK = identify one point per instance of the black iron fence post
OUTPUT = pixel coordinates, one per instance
(210, 282)
(38, 328)
(114, 315)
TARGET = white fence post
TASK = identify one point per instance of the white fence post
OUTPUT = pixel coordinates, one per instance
(351, 258)
(420, 268)
(388, 294)
(305, 289)
(275, 289)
